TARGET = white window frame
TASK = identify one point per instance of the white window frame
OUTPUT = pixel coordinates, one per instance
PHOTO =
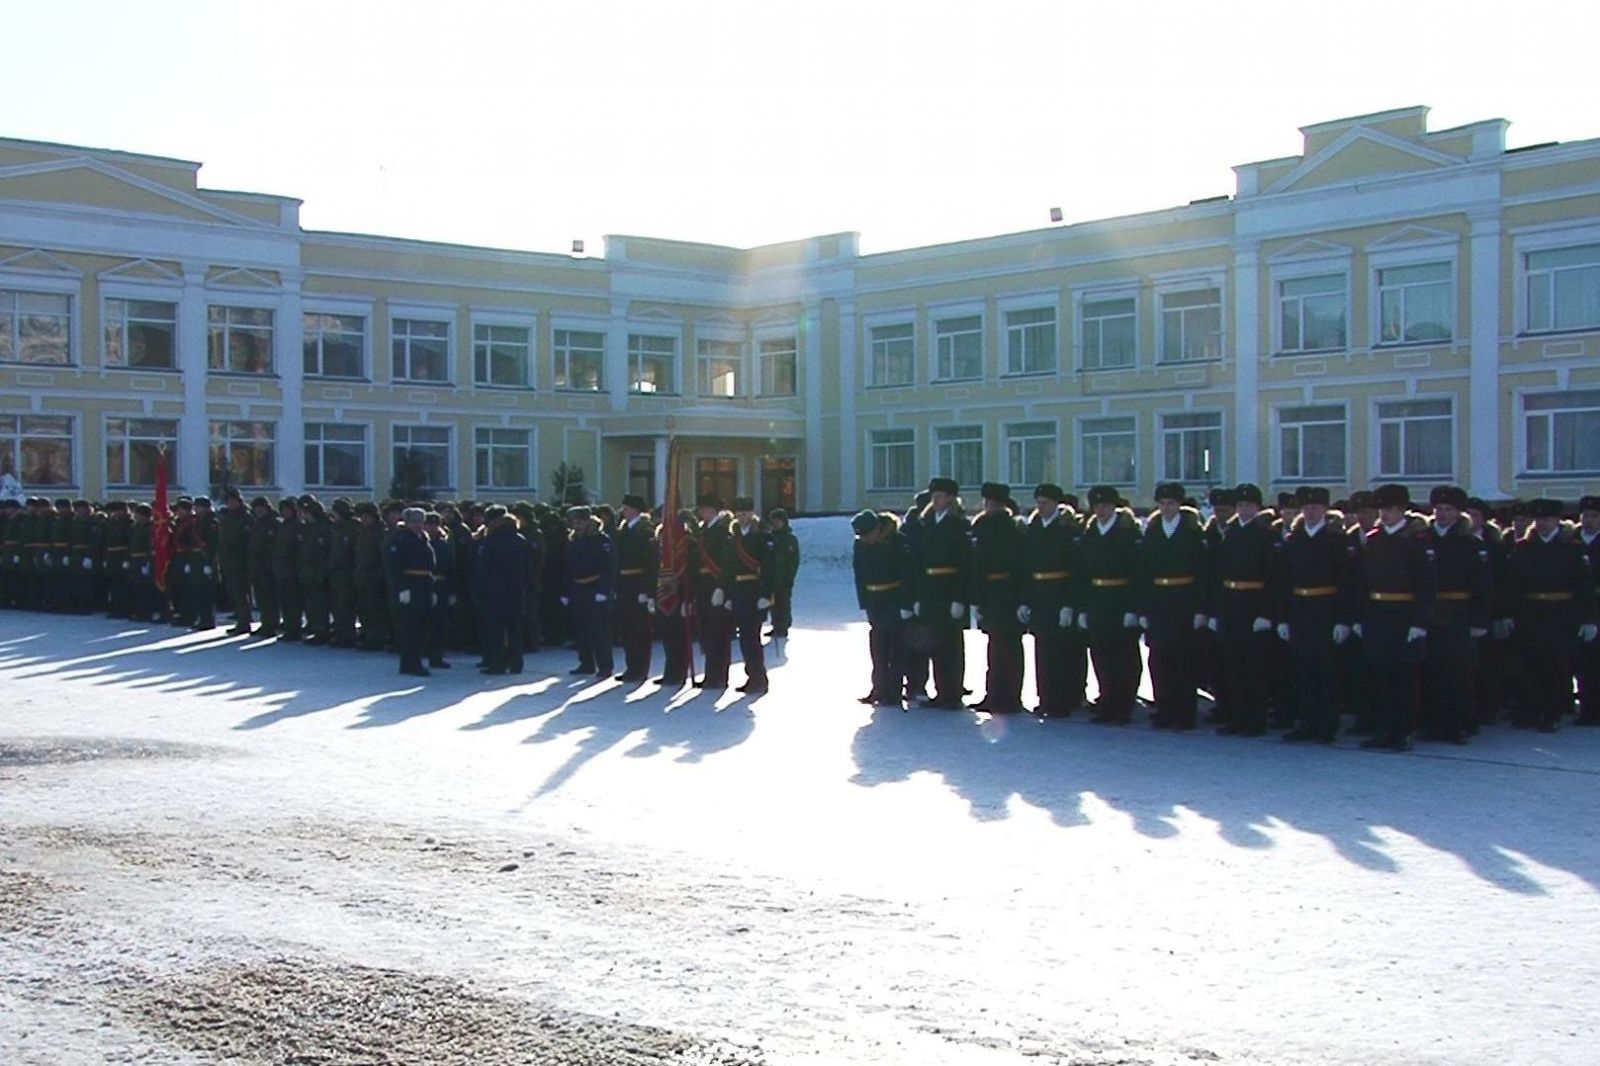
(174, 448)
(532, 448)
(507, 320)
(227, 441)
(437, 315)
(1052, 471)
(893, 320)
(1521, 433)
(1278, 475)
(74, 439)
(148, 292)
(938, 443)
(1296, 270)
(598, 327)
(1377, 421)
(949, 313)
(366, 453)
(1550, 241)
(1184, 287)
(636, 361)
(769, 335)
(248, 300)
(348, 309)
(1218, 472)
(1430, 254)
(741, 378)
(873, 447)
(1101, 294)
(52, 285)
(1079, 451)
(450, 449)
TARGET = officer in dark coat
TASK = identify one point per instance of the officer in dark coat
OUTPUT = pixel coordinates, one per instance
(502, 558)
(312, 563)
(1489, 684)
(1314, 592)
(785, 570)
(1588, 659)
(1241, 607)
(944, 580)
(638, 561)
(372, 597)
(444, 589)
(1461, 615)
(915, 635)
(409, 560)
(233, 558)
(119, 524)
(1107, 606)
(342, 599)
(708, 555)
(1050, 540)
(590, 577)
(260, 549)
(881, 563)
(1399, 578)
(286, 567)
(747, 583)
(998, 581)
(1552, 593)
(1174, 573)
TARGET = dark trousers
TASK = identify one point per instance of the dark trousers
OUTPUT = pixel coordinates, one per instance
(342, 598)
(674, 646)
(591, 627)
(372, 610)
(314, 597)
(884, 643)
(1394, 698)
(747, 621)
(1060, 671)
(438, 626)
(1588, 671)
(915, 641)
(289, 607)
(1002, 683)
(1449, 702)
(117, 587)
(1316, 672)
(1174, 677)
(1546, 682)
(502, 642)
(1117, 670)
(716, 642)
(412, 624)
(1247, 666)
(782, 611)
(1489, 680)
(266, 594)
(201, 592)
(633, 619)
(236, 584)
(530, 625)
(948, 661)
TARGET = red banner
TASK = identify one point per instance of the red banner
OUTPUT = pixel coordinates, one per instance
(673, 578)
(161, 527)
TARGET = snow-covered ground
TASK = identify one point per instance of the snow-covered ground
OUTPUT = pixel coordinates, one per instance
(198, 819)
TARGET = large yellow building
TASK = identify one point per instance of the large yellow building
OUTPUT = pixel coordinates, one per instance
(1394, 303)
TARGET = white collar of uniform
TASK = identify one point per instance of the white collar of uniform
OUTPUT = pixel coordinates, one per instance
(744, 531)
(1313, 530)
(1443, 530)
(1553, 534)
(1397, 527)
(635, 520)
(1105, 526)
(1046, 519)
(1588, 538)
(939, 516)
(1171, 527)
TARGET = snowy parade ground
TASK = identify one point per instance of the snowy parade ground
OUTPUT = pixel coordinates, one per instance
(215, 849)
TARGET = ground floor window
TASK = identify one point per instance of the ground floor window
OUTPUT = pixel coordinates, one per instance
(37, 449)
(503, 458)
(1107, 451)
(242, 453)
(777, 483)
(1416, 438)
(1561, 432)
(1312, 443)
(336, 455)
(1191, 447)
(719, 476)
(422, 456)
(134, 447)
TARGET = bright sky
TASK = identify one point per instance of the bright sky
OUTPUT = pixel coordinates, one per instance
(529, 124)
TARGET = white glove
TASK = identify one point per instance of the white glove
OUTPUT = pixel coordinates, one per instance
(1587, 632)
(1024, 614)
(144, 571)
(1283, 632)
(1066, 617)
(1144, 623)
(432, 599)
(601, 597)
(88, 564)
(1211, 624)
(1356, 629)
(905, 615)
(1476, 633)
(763, 603)
(1130, 621)
(454, 600)
(1341, 633)
(916, 609)
(977, 617)
(1200, 621)
(1415, 633)
(650, 605)
(1261, 625)
(958, 610)
(563, 601)
(717, 596)
(207, 569)
(1083, 621)
(727, 605)
(404, 597)
(644, 598)
(1503, 628)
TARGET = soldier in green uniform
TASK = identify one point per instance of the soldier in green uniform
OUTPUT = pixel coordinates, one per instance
(82, 556)
(286, 568)
(372, 601)
(233, 558)
(312, 565)
(261, 548)
(342, 533)
(10, 551)
(114, 549)
(142, 605)
(57, 569)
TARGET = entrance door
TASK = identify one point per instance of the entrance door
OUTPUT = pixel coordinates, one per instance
(717, 475)
(777, 483)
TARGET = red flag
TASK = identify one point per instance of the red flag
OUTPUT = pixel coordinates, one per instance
(161, 528)
(673, 578)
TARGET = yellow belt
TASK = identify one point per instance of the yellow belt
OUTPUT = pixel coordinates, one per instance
(417, 573)
(630, 573)
(747, 577)
(586, 580)
(1392, 597)
(1050, 575)
(1171, 582)
(1318, 590)
(140, 555)
(942, 571)
(1244, 586)
(1547, 597)
(1004, 576)
(1108, 582)
(887, 587)
(117, 548)
(1455, 596)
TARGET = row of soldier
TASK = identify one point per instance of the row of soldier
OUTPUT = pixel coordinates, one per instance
(467, 577)
(1413, 623)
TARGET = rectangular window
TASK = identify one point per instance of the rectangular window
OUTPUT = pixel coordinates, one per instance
(1312, 314)
(718, 476)
(642, 476)
(133, 446)
(1110, 331)
(652, 364)
(1312, 443)
(503, 458)
(779, 366)
(35, 327)
(1191, 447)
(777, 483)
(37, 449)
(1031, 341)
(1416, 304)
(425, 451)
(239, 340)
(1416, 438)
(1191, 326)
(1564, 289)
(1562, 432)
(421, 349)
(719, 367)
(242, 453)
(960, 454)
(893, 359)
(500, 356)
(1030, 453)
(958, 348)
(580, 358)
(141, 334)
(336, 455)
(1107, 450)
(335, 346)
(894, 458)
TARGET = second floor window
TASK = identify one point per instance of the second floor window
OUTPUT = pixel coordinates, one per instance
(239, 340)
(892, 360)
(35, 327)
(500, 356)
(141, 334)
(958, 345)
(334, 346)
(580, 357)
(1031, 341)
(1191, 326)
(779, 369)
(1110, 333)
(1564, 289)
(421, 350)
(1312, 314)
(893, 458)
(652, 364)
(719, 367)
(1415, 304)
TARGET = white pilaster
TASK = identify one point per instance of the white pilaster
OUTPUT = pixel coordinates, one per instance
(811, 340)
(1246, 363)
(288, 358)
(617, 355)
(849, 445)
(662, 488)
(194, 428)
(1483, 394)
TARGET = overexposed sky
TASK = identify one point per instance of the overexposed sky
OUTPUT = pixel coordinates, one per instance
(526, 125)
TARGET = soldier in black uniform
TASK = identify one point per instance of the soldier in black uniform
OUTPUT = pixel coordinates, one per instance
(1241, 606)
(785, 570)
(261, 549)
(915, 639)
(1222, 511)
(410, 567)
(1175, 561)
(312, 564)
(881, 563)
(943, 581)
(998, 581)
(638, 558)
(1588, 660)
(119, 526)
(1314, 592)
(1050, 542)
(1107, 609)
(591, 573)
(1552, 593)
(1398, 580)
(708, 554)
(1488, 671)
(233, 558)
(141, 565)
(747, 582)
(1461, 615)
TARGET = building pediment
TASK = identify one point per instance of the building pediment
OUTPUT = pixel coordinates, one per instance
(141, 270)
(36, 261)
(84, 182)
(1310, 248)
(240, 278)
(1361, 153)
(1413, 236)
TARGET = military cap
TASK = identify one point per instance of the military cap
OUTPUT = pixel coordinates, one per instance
(494, 511)
(1313, 494)
(635, 501)
(864, 522)
(289, 502)
(1071, 500)
(579, 513)
(1288, 499)
(708, 499)
(1452, 495)
(1391, 495)
(203, 501)
(306, 500)
(944, 484)
(341, 505)
(993, 490)
(1169, 490)
(412, 514)
(1544, 507)
(232, 493)
(922, 499)
(777, 514)
(742, 503)
(1247, 493)
(1362, 500)
(1102, 494)
(116, 507)
(1479, 505)
(63, 502)
(1046, 491)
(367, 507)
(261, 501)
(183, 503)
(81, 505)
(143, 509)
(1589, 503)
(431, 518)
